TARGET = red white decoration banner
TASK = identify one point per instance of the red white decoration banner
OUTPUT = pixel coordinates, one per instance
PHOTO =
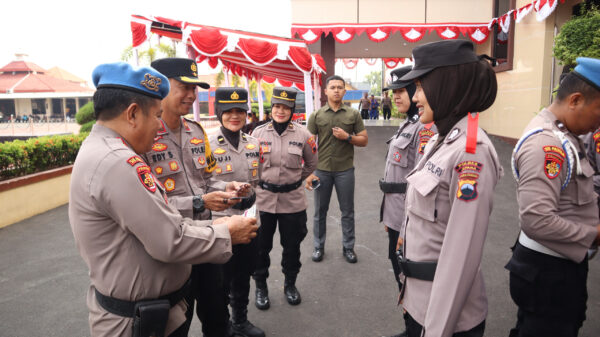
(411, 32)
(390, 63)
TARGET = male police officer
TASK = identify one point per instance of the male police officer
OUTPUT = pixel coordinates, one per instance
(182, 160)
(558, 212)
(137, 246)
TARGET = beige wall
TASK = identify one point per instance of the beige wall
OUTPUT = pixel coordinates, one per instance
(405, 11)
(22, 106)
(525, 89)
(26, 201)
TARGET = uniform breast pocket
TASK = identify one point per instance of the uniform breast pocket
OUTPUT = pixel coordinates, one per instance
(422, 194)
(348, 125)
(585, 191)
(173, 182)
(398, 154)
(294, 157)
(265, 155)
(199, 162)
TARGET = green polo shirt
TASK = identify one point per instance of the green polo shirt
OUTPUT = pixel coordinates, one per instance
(335, 155)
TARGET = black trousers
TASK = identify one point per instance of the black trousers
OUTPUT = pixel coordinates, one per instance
(551, 293)
(393, 240)
(414, 329)
(211, 300)
(387, 113)
(364, 113)
(292, 230)
(237, 276)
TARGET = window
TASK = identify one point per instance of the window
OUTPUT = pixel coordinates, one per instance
(503, 44)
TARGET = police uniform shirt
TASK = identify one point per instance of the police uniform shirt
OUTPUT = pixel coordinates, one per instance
(448, 204)
(406, 149)
(592, 141)
(561, 219)
(135, 244)
(281, 163)
(233, 164)
(180, 165)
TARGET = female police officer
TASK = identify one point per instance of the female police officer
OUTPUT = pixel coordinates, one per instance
(236, 155)
(283, 147)
(449, 196)
(406, 149)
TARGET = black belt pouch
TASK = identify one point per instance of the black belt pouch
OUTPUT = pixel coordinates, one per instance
(151, 318)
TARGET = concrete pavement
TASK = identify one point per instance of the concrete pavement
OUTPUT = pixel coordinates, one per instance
(43, 280)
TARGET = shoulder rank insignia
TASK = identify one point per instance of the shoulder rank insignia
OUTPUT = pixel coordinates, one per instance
(250, 146)
(169, 185)
(157, 147)
(219, 150)
(196, 141)
(173, 166)
(221, 140)
(134, 160)
(244, 137)
(145, 175)
(162, 130)
(553, 161)
(186, 126)
(468, 173)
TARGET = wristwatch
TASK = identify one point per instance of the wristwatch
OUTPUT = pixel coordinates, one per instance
(198, 204)
(349, 138)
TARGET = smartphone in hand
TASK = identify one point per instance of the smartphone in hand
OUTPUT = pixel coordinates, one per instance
(315, 183)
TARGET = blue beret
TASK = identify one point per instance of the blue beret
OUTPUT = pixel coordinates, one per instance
(121, 75)
(588, 69)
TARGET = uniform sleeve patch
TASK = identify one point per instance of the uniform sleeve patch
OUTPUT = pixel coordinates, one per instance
(145, 175)
(312, 143)
(597, 141)
(134, 160)
(553, 161)
(424, 137)
(468, 174)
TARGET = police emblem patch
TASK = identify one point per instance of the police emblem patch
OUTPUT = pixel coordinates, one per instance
(597, 141)
(173, 166)
(196, 141)
(234, 95)
(468, 173)
(218, 170)
(134, 160)
(467, 189)
(397, 156)
(151, 82)
(157, 147)
(158, 170)
(169, 185)
(553, 161)
(313, 144)
(228, 168)
(145, 175)
(254, 163)
(424, 136)
(201, 160)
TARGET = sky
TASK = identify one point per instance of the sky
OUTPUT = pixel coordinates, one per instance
(79, 35)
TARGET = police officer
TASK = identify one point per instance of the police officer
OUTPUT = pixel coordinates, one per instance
(237, 155)
(404, 152)
(558, 211)
(449, 196)
(181, 158)
(284, 146)
(137, 246)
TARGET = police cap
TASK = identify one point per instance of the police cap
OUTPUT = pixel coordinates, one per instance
(440, 54)
(227, 98)
(588, 69)
(121, 75)
(181, 69)
(285, 96)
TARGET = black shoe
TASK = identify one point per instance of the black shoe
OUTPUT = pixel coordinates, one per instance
(317, 254)
(262, 296)
(291, 294)
(349, 255)
(247, 329)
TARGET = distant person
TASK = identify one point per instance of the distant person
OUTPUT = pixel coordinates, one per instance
(136, 245)
(364, 106)
(374, 109)
(386, 106)
(339, 128)
(252, 123)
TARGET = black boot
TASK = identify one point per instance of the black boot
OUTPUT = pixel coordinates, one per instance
(262, 295)
(292, 295)
(241, 325)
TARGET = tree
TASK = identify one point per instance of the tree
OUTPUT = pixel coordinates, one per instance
(374, 80)
(579, 37)
(152, 53)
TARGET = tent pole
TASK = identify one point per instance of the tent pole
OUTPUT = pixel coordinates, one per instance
(261, 108)
(308, 95)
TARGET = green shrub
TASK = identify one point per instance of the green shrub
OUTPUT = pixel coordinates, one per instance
(87, 127)
(266, 107)
(579, 37)
(22, 157)
(85, 114)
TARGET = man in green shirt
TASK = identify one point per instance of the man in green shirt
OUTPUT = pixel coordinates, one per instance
(339, 128)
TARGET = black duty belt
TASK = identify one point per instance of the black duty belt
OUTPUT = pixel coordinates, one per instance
(420, 270)
(276, 188)
(127, 308)
(386, 187)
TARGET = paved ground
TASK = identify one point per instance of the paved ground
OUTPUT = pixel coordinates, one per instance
(43, 280)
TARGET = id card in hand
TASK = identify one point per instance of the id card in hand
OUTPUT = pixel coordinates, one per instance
(250, 212)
